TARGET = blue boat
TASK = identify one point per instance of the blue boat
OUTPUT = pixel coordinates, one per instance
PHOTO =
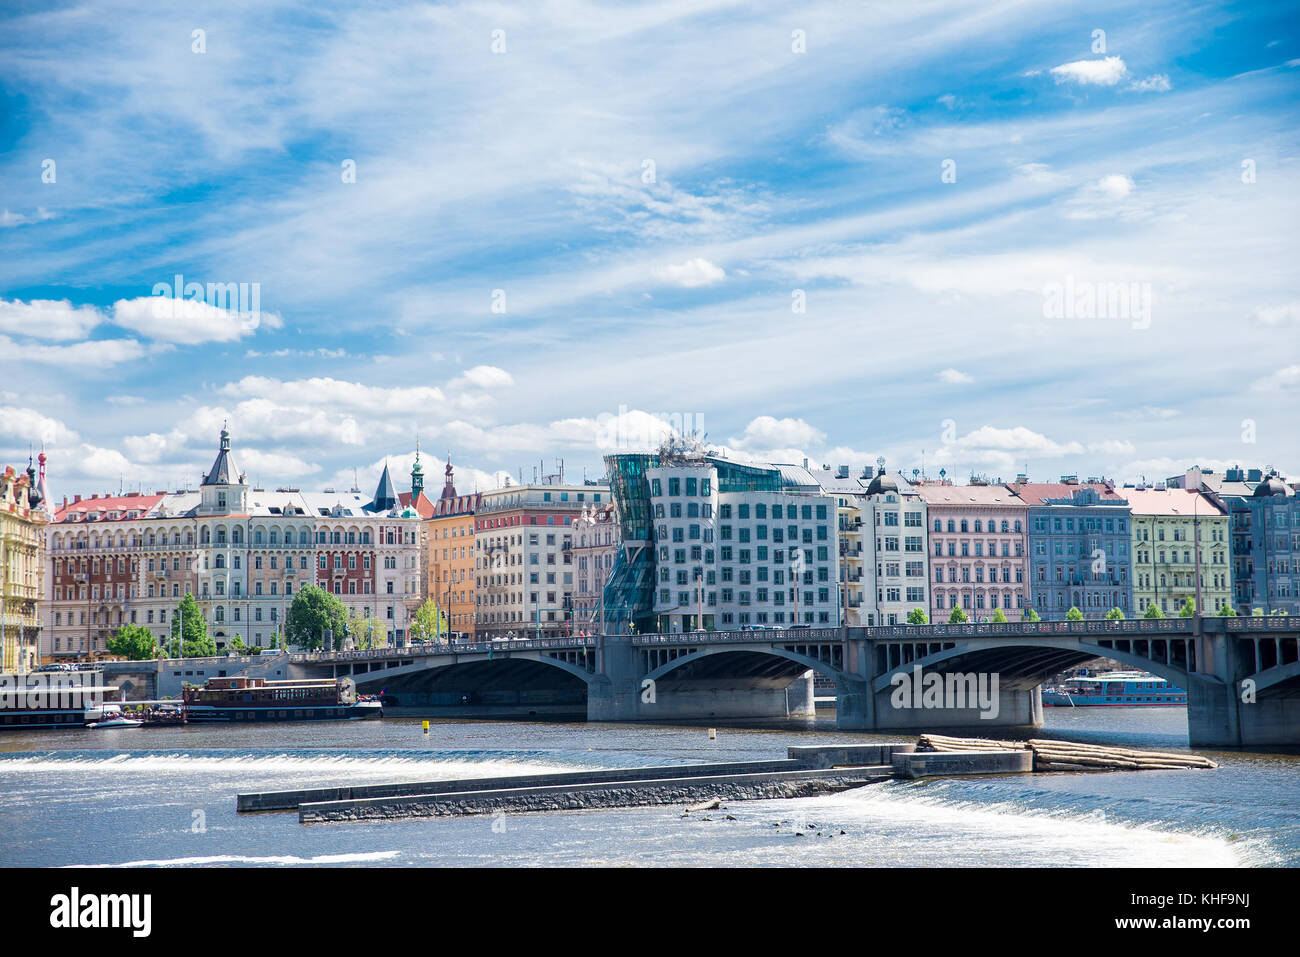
(1115, 689)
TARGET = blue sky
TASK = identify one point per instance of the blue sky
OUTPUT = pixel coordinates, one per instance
(650, 187)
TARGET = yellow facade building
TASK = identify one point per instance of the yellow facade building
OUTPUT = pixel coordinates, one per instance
(22, 540)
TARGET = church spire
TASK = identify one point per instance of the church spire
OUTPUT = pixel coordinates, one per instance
(385, 494)
(448, 488)
(417, 474)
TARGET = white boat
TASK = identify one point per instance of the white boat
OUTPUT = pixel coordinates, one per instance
(118, 721)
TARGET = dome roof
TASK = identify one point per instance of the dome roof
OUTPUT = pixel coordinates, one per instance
(1271, 486)
(883, 482)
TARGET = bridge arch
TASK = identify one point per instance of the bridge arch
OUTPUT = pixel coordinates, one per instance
(1027, 662)
(1277, 677)
(806, 662)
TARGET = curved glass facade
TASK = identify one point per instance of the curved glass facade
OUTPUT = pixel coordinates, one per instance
(629, 591)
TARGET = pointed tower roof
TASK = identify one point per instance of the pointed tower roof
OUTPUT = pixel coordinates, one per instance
(448, 488)
(417, 473)
(224, 471)
(386, 494)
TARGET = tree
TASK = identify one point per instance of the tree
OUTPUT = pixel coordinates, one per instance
(366, 632)
(313, 611)
(1153, 611)
(1073, 614)
(134, 642)
(1115, 614)
(1030, 615)
(195, 641)
(429, 622)
(917, 616)
(1188, 609)
(957, 617)
(999, 616)
(1227, 612)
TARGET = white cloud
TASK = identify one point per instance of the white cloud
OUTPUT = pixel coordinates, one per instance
(48, 318)
(1105, 72)
(189, 321)
(1156, 83)
(28, 425)
(692, 273)
(1284, 314)
(260, 466)
(22, 219)
(103, 352)
(483, 377)
(1284, 379)
(1116, 185)
(1112, 447)
(325, 392)
(768, 434)
(954, 377)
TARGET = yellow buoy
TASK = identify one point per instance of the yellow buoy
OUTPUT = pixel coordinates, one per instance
(425, 725)
(713, 734)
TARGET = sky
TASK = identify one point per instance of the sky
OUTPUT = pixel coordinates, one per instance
(978, 237)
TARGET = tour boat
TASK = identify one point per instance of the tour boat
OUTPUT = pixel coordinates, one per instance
(1114, 689)
(47, 699)
(257, 699)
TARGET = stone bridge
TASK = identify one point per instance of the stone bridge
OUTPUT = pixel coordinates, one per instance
(1242, 675)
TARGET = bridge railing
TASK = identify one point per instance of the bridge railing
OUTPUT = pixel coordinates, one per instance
(761, 634)
(1135, 626)
(429, 649)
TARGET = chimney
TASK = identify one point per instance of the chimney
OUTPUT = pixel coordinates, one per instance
(842, 471)
(75, 499)
(805, 462)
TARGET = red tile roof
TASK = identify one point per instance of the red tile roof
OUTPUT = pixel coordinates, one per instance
(136, 502)
(1037, 493)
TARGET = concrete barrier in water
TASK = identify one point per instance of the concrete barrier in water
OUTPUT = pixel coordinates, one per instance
(846, 756)
(290, 800)
(657, 791)
(924, 764)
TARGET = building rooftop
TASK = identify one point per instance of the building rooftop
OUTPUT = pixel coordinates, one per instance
(969, 495)
(1171, 501)
(1047, 493)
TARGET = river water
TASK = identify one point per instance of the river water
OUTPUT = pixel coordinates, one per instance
(166, 796)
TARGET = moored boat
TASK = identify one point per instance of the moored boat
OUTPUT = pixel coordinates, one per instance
(258, 699)
(1114, 689)
(67, 698)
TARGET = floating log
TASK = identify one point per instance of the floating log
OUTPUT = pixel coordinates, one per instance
(1072, 755)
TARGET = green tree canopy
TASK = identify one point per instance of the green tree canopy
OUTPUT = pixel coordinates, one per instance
(1153, 611)
(999, 616)
(429, 621)
(1030, 615)
(195, 640)
(1227, 612)
(957, 617)
(1073, 614)
(314, 610)
(917, 616)
(134, 642)
(1115, 614)
(1188, 609)
(366, 632)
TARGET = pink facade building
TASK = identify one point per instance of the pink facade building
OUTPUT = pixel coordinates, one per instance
(978, 550)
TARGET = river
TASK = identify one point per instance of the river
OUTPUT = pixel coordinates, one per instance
(166, 796)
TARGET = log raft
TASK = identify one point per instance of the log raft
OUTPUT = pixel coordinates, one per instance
(1072, 755)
